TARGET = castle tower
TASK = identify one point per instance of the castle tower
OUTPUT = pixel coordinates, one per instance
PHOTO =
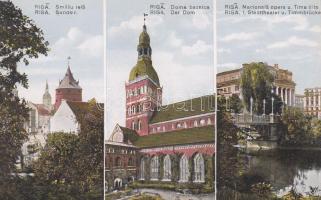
(143, 91)
(46, 98)
(68, 89)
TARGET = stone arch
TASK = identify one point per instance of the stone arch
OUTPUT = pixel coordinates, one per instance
(154, 168)
(142, 169)
(199, 168)
(184, 172)
(167, 168)
(118, 183)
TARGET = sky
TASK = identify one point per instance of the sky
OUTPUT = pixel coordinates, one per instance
(79, 36)
(292, 41)
(182, 52)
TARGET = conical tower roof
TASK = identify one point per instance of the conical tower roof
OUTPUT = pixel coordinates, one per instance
(68, 81)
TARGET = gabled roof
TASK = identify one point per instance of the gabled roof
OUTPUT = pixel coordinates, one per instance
(68, 81)
(191, 107)
(130, 135)
(203, 134)
(42, 110)
(82, 108)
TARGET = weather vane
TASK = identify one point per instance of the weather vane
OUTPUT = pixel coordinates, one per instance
(68, 60)
(144, 17)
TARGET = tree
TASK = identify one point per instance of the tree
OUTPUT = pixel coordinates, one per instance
(227, 162)
(72, 165)
(235, 104)
(256, 83)
(20, 40)
(296, 125)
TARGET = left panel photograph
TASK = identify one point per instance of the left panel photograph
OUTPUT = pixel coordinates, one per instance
(51, 99)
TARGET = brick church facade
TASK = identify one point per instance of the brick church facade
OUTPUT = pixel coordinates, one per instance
(160, 144)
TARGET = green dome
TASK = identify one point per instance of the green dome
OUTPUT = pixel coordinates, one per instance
(142, 68)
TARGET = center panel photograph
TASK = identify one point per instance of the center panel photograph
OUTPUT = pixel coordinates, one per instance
(160, 105)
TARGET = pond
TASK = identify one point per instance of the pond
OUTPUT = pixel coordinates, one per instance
(287, 169)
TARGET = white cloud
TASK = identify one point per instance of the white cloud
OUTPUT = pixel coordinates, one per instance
(92, 46)
(223, 50)
(242, 36)
(227, 66)
(199, 47)
(201, 21)
(134, 23)
(293, 41)
(316, 29)
(174, 40)
(300, 22)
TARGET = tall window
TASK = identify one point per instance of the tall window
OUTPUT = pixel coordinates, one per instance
(199, 168)
(184, 171)
(142, 169)
(167, 168)
(118, 162)
(130, 162)
(139, 125)
(154, 168)
(133, 125)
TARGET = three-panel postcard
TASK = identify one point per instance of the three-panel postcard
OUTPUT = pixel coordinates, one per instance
(160, 100)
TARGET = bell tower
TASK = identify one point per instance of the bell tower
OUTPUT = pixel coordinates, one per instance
(143, 91)
(68, 89)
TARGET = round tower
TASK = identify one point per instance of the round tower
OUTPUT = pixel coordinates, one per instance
(68, 89)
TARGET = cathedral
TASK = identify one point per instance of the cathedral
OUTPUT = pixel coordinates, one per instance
(164, 146)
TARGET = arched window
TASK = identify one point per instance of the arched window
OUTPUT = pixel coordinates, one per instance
(142, 169)
(154, 168)
(195, 123)
(167, 168)
(202, 122)
(133, 109)
(130, 162)
(178, 125)
(184, 170)
(139, 125)
(199, 168)
(118, 162)
(209, 121)
(133, 125)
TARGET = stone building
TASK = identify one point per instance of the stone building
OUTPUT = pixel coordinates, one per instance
(228, 83)
(312, 101)
(173, 144)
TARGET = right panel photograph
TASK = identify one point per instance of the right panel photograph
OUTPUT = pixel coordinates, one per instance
(269, 100)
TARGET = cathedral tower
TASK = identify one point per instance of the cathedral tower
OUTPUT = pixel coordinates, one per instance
(68, 89)
(143, 91)
(46, 98)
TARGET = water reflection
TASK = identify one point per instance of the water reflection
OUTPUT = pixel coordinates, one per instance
(286, 169)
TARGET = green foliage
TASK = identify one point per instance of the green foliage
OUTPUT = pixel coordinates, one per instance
(20, 40)
(256, 82)
(296, 126)
(227, 164)
(71, 166)
(262, 190)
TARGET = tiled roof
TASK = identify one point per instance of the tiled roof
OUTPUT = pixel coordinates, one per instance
(184, 136)
(82, 108)
(191, 107)
(68, 81)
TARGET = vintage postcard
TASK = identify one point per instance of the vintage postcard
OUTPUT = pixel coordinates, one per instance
(51, 102)
(269, 90)
(160, 100)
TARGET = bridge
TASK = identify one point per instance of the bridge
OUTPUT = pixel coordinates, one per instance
(260, 131)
